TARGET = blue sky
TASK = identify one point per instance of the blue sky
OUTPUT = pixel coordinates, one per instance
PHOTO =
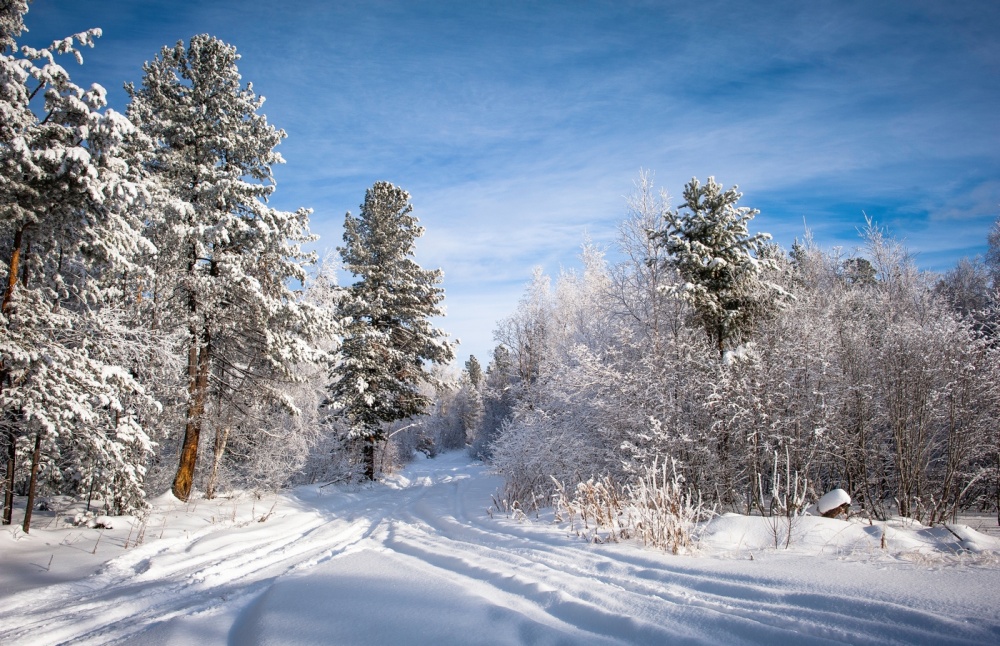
(519, 127)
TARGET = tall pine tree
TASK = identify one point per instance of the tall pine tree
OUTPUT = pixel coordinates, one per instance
(390, 336)
(65, 227)
(225, 260)
(719, 262)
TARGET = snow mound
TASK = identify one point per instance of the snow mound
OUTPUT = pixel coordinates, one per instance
(832, 500)
(815, 535)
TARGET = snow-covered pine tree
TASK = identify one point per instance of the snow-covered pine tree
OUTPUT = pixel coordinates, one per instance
(65, 225)
(475, 370)
(470, 397)
(390, 337)
(718, 261)
(226, 260)
(468, 402)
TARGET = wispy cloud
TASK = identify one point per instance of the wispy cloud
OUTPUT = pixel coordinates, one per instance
(519, 126)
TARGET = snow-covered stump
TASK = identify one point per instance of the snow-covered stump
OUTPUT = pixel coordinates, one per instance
(834, 503)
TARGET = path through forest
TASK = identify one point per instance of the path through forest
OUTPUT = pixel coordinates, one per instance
(418, 560)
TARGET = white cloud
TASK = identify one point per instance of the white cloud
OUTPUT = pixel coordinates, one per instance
(517, 127)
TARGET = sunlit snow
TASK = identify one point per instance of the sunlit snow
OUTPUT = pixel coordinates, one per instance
(418, 560)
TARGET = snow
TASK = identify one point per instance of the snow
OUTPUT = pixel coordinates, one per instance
(832, 500)
(418, 560)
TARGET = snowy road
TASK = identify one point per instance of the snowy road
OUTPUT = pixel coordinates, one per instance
(418, 561)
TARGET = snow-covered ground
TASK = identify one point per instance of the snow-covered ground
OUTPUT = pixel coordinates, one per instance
(418, 560)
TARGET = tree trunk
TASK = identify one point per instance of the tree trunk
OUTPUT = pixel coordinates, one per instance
(35, 458)
(198, 367)
(8, 496)
(368, 451)
(13, 269)
(221, 438)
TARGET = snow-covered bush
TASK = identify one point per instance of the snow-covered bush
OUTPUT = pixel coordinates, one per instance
(654, 507)
(787, 501)
(92, 520)
(664, 511)
(527, 457)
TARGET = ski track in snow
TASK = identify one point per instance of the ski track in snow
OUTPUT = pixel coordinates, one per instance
(418, 560)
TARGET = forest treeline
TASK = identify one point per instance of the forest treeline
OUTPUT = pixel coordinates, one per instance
(744, 366)
(162, 326)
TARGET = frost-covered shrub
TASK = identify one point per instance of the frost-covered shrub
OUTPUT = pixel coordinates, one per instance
(598, 505)
(663, 511)
(655, 508)
(332, 459)
(533, 448)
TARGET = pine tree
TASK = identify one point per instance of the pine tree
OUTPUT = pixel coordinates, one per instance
(66, 227)
(390, 338)
(474, 370)
(469, 399)
(226, 260)
(719, 261)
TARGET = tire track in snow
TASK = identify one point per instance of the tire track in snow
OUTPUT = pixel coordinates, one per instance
(571, 582)
(616, 607)
(431, 522)
(185, 578)
(820, 615)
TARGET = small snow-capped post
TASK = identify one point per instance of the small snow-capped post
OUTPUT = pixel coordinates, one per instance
(834, 503)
